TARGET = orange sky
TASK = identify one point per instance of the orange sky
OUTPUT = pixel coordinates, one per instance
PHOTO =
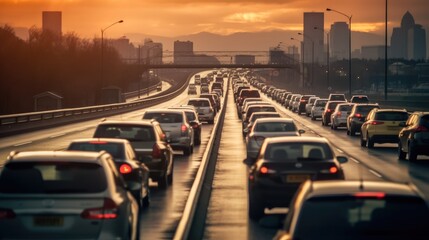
(181, 17)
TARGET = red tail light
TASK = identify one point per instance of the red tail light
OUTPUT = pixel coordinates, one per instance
(333, 170)
(107, 211)
(339, 114)
(328, 110)
(358, 115)
(156, 151)
(125, 168)
(302, 101)
(378, 195)
(184, 128)
(421, 129)
(374, 122)
(263, 170)
(6, 213)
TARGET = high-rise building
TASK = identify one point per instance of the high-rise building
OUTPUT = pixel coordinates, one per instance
(51, 21)
(313, 33)
(409, 40)
(339, 40)
(374, 52)
(183, 51)
(151, 52)
(123, 46)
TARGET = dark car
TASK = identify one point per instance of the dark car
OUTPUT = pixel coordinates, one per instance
(302, 102)
(125, 161)
(283, 163)
(192, 116)
(149, 143)
(245, 93)
(356, 210)
(357, 117)
(217, 85)
(359, 99)
(327, 112)
(414, 137)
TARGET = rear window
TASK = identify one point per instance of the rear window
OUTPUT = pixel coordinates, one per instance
(391, 116)
(52, 177)
(190, 116)
(424, 121)
(130, 132)
(290, 152)
(115, 149)
(359, 100)
(249, 94)
(365, 109)
(337, 97)
(164, 117)
(199, 103)
(257, 116)
(345, 108)
(275, 127)
(333, 105)
(391, 217)
(320, 103)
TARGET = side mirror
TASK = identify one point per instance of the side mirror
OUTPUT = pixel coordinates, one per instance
(301, 131)
(342, 159)
(133, 186)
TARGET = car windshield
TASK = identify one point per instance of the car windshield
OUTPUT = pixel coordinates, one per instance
(130, 132)
(349, 217)
(275, 127)
(199, 103)
(391, 116)
(345, 108)
(52, 177)
(296, 151)
(115, 149)
(320, 103)
(164, 117)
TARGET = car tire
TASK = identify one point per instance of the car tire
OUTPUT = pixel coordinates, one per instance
(146, 200)
(362, 141)
(348, 132)
(163, 181)
(198, 141)
(138, 196)
(256, 210)
(352, 131)
(412, 153)
(370, 142)
(187, 151)
(401, 154)
(170, 178)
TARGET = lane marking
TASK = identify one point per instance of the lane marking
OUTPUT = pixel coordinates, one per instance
(58, 135)
(354, 160)
(24, 143)
(375, 173)
(339, 150)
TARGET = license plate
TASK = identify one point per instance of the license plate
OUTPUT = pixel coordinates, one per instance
(167, 134)
(296, 178)
(48, 221)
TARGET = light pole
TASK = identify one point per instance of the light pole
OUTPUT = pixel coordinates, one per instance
(302, 57)
(350, 45)
(312, 57)
(385, 55)
(102, 55)
(327, 56)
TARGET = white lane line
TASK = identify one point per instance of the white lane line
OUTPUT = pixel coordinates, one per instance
(339, 150)
(375, 173)
(354, 160)
(24, 143)
(58, 135)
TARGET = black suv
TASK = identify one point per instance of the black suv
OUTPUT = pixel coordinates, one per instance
(357, 117)
(414, 137)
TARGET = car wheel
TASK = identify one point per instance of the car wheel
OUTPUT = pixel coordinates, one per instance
(352, 132)
(401, 154)
(348, 132)
(138, 196)
(187, 151)
(370, 142)
(412, 153)
(163, 181)
(146, 200)
(256, 210)
(362, 141)
(170, 178)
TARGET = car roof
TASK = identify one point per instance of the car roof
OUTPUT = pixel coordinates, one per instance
(164, 110)
(49, 156)
(294, 139)
(142, 122)
(110, 140)
(389, 110)
(271, 119)
(199, 99)
(341, 187)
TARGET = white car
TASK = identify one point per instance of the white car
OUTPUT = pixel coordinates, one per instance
(310, 105)
(340, 114)
(318, 108)
(204, 108)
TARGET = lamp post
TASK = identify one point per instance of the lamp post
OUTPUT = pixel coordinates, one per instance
(350, 45)
(385, 55)
(302, 57)
(102, 55)
(327, 56)
(312, 56)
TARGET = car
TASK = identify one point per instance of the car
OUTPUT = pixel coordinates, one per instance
(269, 127)
(149, 143)
(217, 85)
(176, 126)
(310, 105)
(295, 103)
(302, 101)
(66, 195)
(337, 97)
(359, 99)
(318, 108)
(204, 89)
(357, 116)
(282, 164)
(197, 79)
(382, 126)
(248, 100)
(247, 104)
(125, 161)
(414, 136)
(329, 109)
(192, 89)
(340, 114)
(204, 108)
(257, 115)
(192, 116)
(218, 92)
(245, 93)
(214, 100)
(356, 210)
(255, 108)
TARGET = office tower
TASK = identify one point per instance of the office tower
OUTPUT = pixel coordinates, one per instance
(314, 20)
(339, 40)
(183, 52)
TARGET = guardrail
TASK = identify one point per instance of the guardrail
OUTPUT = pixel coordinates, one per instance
(25, 122)
(190, 225)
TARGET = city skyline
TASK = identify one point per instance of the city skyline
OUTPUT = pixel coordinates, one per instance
(175, 18)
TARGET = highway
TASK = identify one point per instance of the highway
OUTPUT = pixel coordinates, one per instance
(227, 211)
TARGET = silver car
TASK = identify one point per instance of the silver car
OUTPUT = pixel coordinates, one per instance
(340, 114)
(176, 127)
(204, 108)
(269, 127)
(65, 195)
(310, 105)
(318, 108)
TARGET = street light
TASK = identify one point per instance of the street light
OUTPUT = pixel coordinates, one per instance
(312, 56)
(327, 56)
(102, 54)
(350, 46)
(302, 57)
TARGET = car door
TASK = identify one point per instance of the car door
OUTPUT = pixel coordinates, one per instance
(404, 134)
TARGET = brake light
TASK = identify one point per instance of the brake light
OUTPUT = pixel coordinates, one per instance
(378, 195)
(184, 128)
(339, 114)
(333, 170)
(125, 168)
(376, 122)
(263, 170)
(328, 110)
(6, 213)
(302, 101)
(107, 211)
(421, 129)
(156, 151)
(358, 115)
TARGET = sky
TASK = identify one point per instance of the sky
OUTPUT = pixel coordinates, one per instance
(171, 18)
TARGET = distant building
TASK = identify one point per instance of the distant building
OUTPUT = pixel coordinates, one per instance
(313, 20)
(51, 21)
(409, 40)
(151, 52)
(293, 51)
(124, 47)
(339, 41)
(183, 52)
(374, 52)
(244, 59)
